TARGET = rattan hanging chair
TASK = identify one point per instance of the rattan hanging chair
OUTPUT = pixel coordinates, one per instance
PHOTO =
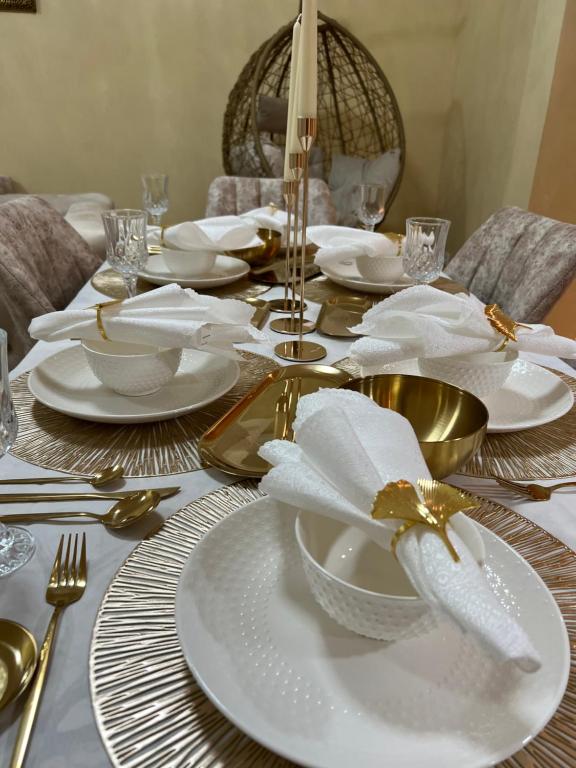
(358, 113)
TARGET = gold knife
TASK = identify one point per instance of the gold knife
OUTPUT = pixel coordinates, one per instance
(16, 498)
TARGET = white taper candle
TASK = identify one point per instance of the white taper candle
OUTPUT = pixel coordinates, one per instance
(292, 142)
(307, 66)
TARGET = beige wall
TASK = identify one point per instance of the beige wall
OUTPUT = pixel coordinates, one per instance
(505, 58)
(96, 91)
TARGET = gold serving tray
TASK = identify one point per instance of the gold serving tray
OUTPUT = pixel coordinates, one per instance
(263, 414)
(339, 313)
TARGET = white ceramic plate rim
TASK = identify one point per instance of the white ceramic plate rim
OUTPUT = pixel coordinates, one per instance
(38, 390)
(238, 719)
(366, 285)
(206, 280)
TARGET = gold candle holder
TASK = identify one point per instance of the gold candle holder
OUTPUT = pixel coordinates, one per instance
(300, 350)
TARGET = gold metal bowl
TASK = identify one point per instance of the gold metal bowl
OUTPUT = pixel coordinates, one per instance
(261, 255)
(449, 422)
(18, 656)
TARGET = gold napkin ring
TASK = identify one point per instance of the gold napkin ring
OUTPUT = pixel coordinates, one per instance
(502, 323)
(400, 501)
(99, 321)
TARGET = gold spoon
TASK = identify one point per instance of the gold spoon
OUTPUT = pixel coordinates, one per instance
(105, 476)
(18, 657)
(123, 513)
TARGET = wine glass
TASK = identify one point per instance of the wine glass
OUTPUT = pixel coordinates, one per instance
(372, 205)
(155, 195)
(16, 544)
(126, 250)
(425, 246)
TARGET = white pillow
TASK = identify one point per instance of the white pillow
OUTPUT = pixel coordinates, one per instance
(347, 172)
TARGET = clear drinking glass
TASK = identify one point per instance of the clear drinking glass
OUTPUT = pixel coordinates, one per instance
(425, 247)
(16, 544)
(126, 243)
(372, 205)
(155, 195)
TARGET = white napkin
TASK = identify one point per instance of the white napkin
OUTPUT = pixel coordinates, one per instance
(338, 243)
(426, 322)
(346, 449)
(268, 217)
(169, 316)
(220, 233)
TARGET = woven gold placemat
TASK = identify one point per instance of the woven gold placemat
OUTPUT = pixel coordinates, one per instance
(544, 453)
(321, 289)
(150, 710)
(109, 282)
(52, 440)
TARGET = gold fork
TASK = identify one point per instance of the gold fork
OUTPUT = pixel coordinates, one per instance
(533, 490)
(66, 585)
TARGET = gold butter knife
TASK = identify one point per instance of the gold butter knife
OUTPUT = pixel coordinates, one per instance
(17, 498)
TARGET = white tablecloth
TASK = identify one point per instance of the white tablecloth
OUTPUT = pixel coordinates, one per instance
(66, 735)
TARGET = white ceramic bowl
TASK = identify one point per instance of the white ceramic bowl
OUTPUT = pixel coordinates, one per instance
(359, 584)
(480, 374)
(131, 369)
(380, 268)
(189, 263)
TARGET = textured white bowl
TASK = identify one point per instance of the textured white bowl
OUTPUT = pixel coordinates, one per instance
(131, 369)
(380, 268)
(359, 584)
(189, 263)
(480, 374)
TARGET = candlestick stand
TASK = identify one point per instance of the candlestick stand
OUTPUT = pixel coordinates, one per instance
(300, 350)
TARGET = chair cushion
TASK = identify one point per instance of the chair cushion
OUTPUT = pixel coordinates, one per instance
(347, 172)
(43, 264)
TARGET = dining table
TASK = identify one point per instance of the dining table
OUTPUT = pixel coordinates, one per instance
(66, 733)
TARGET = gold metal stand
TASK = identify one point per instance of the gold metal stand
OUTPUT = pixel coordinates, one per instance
(300, 350)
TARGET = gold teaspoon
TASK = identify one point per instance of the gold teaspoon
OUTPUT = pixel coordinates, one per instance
(98, 479)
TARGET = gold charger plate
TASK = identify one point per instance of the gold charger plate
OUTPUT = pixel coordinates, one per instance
(151, 712)
(339, 313)
(322, 289)
(541, 453)
(264, 413)
(52, 440)
(110, 283)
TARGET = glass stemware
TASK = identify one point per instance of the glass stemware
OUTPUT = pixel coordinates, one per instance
(372, 205)
(16, 544)
(425, 247)
(126, 243)
(155, 195)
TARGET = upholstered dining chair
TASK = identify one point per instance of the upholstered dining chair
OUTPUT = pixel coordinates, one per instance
(238, 194)
(43, 264)
(518, 260)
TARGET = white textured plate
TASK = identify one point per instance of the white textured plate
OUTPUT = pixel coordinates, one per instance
(291, 678)
(530, 397)
(65, 383)
(226, 270)
(347, 274)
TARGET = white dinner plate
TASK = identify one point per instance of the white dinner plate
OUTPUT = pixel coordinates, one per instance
(346, 274)
(65, 383)
(531, 396)
(226, 270)
(281, 670)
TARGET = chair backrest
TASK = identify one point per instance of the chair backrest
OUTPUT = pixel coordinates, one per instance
(43, 264)
(518, 260)
(237, 194)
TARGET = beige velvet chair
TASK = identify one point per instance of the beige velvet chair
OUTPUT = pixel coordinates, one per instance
(237, 194)
(519, 260)
(43, 264)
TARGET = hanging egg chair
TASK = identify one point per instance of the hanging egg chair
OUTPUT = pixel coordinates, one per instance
(358, 113)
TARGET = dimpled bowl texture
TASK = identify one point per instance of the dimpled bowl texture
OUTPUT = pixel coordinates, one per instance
(131, 369)
(359, 584)
(379, 269)
(480, 374)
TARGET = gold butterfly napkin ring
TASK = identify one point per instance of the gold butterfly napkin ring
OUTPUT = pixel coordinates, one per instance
(502, 323)
(400, 501)
(99, 322)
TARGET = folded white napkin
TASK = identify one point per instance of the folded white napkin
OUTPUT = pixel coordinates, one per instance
(426, 322)
(169, 316)
(338, 243)
(220, 233)
(347, 449)
(268, 217)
